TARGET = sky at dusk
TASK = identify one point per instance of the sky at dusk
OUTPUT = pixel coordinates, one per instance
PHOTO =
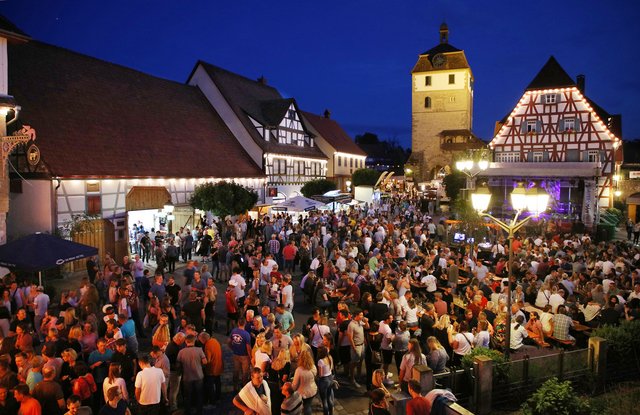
(355, 57)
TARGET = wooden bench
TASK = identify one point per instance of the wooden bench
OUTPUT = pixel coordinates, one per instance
(565, 344)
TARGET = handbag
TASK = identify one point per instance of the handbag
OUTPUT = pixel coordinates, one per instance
(376, 356)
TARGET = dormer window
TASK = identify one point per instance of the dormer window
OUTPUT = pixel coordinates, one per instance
(291, 114)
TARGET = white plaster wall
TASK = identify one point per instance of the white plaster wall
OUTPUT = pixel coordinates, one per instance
(30, 211)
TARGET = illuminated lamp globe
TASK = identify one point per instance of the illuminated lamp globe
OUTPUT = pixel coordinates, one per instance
(483, 164)
(537, 200)
(460, 164)
(480, 199)
(617, 193)
(519, 198)
(168, 207)
(468, 164)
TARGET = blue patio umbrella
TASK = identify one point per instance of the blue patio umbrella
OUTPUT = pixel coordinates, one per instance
(41, 251)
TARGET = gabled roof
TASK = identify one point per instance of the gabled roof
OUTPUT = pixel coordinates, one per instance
(97, 119)
(262, 102)
(9, 30)
(333, 133)
(273, 111)
(552, 75)
(442, 48)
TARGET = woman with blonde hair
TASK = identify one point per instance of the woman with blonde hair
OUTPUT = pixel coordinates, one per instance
(377, 381)
(440, 332)
(263, 356)
(304, 380)
(298, 346)
(162, 335)
(67, 371)
(75, 333)
(260, 339)
(437, 357)
(279, 374)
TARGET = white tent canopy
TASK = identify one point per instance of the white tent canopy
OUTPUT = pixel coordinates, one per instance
(299, 204)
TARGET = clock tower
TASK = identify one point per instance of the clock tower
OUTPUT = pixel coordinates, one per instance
(441, 108)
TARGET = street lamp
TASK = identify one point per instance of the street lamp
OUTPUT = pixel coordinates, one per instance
(466, 166)
(534, 200)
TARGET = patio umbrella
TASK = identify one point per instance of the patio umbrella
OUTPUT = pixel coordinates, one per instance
(299, 204)
(41, 251)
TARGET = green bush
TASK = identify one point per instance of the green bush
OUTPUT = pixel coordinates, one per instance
(500, 366)
(317, 187)
(223, 198)
(558, 398)
(623, 339)
(365, 177)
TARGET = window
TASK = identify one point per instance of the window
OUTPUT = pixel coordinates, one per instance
(508, 157)
(427, 102)
(291, 114)
(427, 81)
(452, 79)
(339, 161)
(550, 99)
(279, 166)
(350, 162)
(94, 205)
(569, 124)
(531, 126)
(593, 156)
(538, 156)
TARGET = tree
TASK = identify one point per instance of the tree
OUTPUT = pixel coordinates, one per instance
(223, 198)
(454, 183)
(365, 177)
(317, 187)
(367, 138)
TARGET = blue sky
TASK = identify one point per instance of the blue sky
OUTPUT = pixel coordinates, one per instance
(355, 57)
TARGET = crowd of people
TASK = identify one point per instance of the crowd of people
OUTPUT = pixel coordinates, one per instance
(386, 287)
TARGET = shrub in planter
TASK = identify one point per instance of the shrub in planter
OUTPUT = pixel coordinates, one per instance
(500, 369)
(554, 397)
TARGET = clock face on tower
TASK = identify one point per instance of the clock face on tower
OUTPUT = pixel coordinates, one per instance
(438, 60)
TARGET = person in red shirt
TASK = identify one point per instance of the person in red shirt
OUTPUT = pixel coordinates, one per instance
(418, 405)
(289, 253)
(28, 405)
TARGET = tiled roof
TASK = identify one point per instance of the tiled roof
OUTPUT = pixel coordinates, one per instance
(552, 75)
(98, 119)
(442, 48)
(262, 102)
(333, 133)
(455, 60)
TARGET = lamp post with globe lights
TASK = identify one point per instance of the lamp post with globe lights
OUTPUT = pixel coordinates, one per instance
(534, 200)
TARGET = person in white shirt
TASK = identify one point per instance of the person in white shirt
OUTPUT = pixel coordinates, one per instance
(401, 250)
(518, 333)
(635, 293)
(287, 293)
(481, 271)
(543, 296)
(556, 299)
(148, 385)
(341, 263)
(430, 281)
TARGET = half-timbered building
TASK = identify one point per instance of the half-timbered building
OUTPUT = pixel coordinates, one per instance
(269, 127)
(560, 138)
(345, 156)
(112, 141)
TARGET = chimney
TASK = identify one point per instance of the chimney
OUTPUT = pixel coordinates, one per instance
(262, 80)
(580, 82)
(327, 114)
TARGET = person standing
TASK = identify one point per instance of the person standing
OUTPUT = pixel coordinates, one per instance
(40, 307)
(191, 360)
(49, 393)
(213, 369)
(355, 334)
(254, 397)
(418, 405)
(240, 344)
(28, 405)
(148, 385)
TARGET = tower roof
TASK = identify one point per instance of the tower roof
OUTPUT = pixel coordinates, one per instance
(552, 75)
